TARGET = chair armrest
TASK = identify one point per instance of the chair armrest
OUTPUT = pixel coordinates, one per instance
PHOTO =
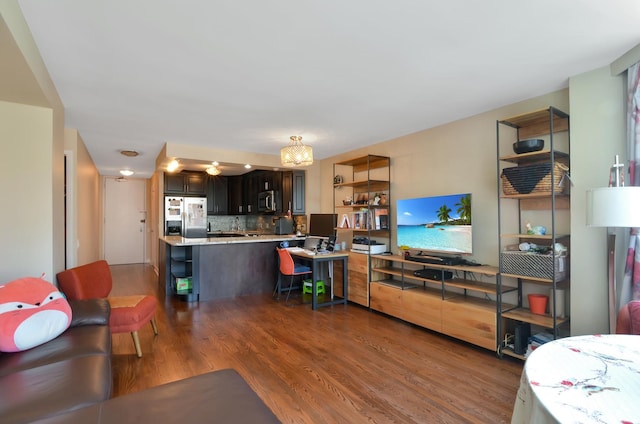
(89, 312)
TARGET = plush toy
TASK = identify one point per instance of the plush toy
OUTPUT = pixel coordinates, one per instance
(32, 311)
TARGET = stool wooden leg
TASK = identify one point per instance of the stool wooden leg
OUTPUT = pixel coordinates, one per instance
(154, 325)
(136, 342)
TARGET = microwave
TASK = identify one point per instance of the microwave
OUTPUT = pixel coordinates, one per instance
(267, 201)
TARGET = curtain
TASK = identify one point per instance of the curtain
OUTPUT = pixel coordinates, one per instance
(631, 280)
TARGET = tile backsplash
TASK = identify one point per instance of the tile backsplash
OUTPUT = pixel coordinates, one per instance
(263, 223)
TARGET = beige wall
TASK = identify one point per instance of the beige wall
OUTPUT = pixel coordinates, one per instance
(598, 134)
(459, 157)
(83, 202)
(25, 183)
(32, 159)
(153, 218)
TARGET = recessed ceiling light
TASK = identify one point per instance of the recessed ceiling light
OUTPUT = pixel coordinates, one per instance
(126, 172)
(173, 165)
(129, 153)
(247, 166)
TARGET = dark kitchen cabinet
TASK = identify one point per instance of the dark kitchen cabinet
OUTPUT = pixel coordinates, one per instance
(185, 183)
(173, 183)
(217, 195)
(293, 192)
(251, 182)
(265, 181)
(235, 191)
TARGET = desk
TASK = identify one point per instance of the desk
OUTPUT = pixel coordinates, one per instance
(584, 379)
(316, 260)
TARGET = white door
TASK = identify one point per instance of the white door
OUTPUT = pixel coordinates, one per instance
(124, 221)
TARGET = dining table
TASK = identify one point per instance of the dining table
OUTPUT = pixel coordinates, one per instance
(581, 379)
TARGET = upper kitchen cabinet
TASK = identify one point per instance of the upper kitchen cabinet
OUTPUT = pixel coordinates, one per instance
(191, 183)
(235, 192)
(268, 180)
(217, 195)
(293, 192)
(250, 190)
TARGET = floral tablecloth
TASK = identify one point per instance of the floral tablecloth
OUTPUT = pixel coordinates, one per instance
(583, 379)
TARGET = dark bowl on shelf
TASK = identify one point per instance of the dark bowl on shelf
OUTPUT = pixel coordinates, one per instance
(528, 146)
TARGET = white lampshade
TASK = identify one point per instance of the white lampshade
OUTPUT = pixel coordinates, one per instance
(613, 207)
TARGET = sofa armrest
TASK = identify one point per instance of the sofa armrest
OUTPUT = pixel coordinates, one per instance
(89, 312)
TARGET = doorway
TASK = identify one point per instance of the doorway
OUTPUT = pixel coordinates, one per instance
(124, 221)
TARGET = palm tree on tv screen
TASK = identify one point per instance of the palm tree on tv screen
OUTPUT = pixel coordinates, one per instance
(464, 209)
(443, 213)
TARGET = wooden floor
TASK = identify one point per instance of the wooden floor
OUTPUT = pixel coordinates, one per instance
(341, 364)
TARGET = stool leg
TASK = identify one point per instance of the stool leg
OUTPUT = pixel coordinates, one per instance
(154, 326)
(136, 342)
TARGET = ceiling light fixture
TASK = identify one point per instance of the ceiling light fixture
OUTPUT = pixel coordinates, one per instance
(296, 153)
(126, 172)
(213, 169)
(129, 153)
(247, 166)
(173, 165)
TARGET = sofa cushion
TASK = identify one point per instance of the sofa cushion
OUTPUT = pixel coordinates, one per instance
(32, 312)
(54, 389)
(90, 312)
(73, 343)
(216, 397)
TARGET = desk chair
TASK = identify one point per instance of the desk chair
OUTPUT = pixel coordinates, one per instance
(128, 313)
(290, 269)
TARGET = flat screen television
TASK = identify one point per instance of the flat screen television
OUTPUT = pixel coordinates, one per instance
(435, 224)
(322, 224)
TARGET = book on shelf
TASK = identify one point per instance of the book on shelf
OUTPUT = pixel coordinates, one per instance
(360, 220)
(344, 223)
(381, 220)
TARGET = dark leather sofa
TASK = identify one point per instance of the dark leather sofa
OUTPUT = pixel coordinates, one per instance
(69, 372)
(69, 380)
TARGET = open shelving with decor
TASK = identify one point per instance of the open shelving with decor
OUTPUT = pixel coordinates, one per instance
(459, 305)
(181, 281)
(534, 224)
(361, 199)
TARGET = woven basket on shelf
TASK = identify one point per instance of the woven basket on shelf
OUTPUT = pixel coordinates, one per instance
(535, 178)
(535, 265)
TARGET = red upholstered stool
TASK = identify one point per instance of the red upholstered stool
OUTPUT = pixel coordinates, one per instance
(128, 313)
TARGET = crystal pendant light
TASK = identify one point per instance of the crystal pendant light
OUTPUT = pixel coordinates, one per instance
(296, 153)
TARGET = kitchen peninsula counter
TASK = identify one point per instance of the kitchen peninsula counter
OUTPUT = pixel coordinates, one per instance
(227, 238)
(222, 266)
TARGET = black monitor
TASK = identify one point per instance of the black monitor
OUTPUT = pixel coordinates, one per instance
(322, 224)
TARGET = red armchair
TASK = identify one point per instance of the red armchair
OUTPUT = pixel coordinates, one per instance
(128, 313)
(628, 321)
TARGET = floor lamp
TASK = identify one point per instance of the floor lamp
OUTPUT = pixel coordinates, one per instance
(613, 207)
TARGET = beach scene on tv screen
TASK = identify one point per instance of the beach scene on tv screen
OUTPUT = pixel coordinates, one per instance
(436, 223)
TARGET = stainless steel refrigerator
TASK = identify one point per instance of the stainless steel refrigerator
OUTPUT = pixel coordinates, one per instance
(186, 216)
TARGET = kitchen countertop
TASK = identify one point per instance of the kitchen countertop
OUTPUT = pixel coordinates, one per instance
(227, 238)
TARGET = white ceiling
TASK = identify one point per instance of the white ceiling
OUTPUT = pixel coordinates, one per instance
(246, 75)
